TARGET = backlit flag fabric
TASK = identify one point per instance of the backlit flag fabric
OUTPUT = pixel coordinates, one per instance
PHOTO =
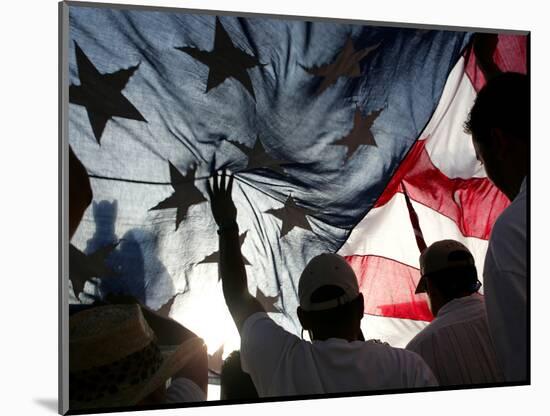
(450, 195)
(320, 123)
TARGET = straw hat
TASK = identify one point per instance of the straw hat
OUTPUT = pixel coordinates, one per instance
(114, 359)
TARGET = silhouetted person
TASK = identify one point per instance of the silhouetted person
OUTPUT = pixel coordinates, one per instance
(137, 271)
(331, 309)
(484, 46)
(456, 344)
(235, 383)
(117, 359)
(169, 332)
(105, 215)
(500, 128)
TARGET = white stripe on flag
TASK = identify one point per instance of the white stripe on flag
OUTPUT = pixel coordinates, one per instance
(449, 147)
(387, 232)
(395, 331)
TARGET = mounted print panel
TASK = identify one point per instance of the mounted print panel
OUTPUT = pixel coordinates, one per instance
(212, 156)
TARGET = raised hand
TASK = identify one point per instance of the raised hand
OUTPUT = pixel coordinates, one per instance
(223, 208)
(484, 46)
(240, 302)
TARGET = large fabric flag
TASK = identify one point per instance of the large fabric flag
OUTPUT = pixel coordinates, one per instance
(451, 197)
(320, 122)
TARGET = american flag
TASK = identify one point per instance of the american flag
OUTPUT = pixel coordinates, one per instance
(324, 125)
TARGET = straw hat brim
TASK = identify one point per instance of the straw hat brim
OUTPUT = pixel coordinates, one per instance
(172, 362)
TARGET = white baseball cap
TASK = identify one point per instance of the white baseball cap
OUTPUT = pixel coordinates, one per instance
(444, 255)
(327, 269)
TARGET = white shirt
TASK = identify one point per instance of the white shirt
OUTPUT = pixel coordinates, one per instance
(457, 346)
(281, 364)
(182, 390)
(505, 277)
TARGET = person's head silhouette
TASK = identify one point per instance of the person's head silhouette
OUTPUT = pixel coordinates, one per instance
(447, 272)
(331, 305)
(235, 383)
(499, 123)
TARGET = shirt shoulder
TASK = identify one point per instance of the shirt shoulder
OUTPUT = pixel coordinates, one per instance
(264, 345)
(183, 390)
(419, 339)
(426, 334)
(253, 319)
(399, 355)
(260, 324)
(412, 366)
(512, 221)
(507, 250)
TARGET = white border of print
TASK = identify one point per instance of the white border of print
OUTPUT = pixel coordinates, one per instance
(29, 208)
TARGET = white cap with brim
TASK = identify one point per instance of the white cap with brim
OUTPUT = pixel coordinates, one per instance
(327, 269)
(443, 255)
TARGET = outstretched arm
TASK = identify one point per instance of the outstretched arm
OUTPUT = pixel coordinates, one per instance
(485, 45)
(240, 302)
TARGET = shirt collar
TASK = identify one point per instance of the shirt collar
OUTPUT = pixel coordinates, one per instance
(333, 340)
(458, 303)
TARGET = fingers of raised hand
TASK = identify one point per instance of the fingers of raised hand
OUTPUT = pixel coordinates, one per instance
(221, 187)
(222, 181)
(209, 188)
(216, 187)
(230, 185)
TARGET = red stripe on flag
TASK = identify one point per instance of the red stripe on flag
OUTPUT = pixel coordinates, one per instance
(473, 204)
(510, 55)
(388, 288)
